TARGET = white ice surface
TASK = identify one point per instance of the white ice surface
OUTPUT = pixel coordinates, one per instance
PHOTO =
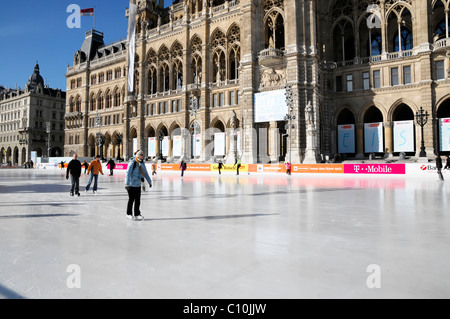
(252, 236)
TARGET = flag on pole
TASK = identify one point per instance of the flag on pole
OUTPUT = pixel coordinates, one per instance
(87, 12)
(131, 44)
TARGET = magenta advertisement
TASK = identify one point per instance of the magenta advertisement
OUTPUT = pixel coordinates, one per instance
(375, 169)
(120, 166)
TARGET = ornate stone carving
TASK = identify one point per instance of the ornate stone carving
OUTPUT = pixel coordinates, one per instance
(272, 77)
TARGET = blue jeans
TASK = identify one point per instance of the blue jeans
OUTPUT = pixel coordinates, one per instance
(95, 177)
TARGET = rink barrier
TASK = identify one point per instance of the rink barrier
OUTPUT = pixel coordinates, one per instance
(400, 169)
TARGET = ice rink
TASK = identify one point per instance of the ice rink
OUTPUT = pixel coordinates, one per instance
(204, 236)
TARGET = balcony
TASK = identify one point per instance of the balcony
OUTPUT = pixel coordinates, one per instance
(442, 44)
(271, 57)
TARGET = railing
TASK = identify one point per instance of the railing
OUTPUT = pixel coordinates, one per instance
(442, 43)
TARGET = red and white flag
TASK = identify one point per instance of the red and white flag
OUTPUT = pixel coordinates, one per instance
(87, 12)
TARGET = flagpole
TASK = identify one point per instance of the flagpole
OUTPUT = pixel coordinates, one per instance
(94, 17)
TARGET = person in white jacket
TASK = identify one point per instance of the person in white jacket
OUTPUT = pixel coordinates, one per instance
(134, 179)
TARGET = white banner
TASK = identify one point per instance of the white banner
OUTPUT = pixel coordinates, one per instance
(165, 146)
(404, 136)
(373, 138)
(270, 106)
(219, 144)
(152, 146)
(177, 141)
(444, 130)
(346, 138)
(135, 146)
(197, 145)
(131, 43)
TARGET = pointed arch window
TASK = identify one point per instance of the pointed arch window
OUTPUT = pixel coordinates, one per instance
(405, 40)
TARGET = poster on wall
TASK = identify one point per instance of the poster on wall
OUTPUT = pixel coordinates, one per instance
(152, 146)
(404, 136)
(219, 144)
(346, 138)
(373, 138)
(165, 146)
(177, 145)
(270, 106)
(444, 130)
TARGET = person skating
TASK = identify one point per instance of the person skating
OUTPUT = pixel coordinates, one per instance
(183, 167)
(238, 163)
(74, 170)
(94, 168)
(154, 169)
(112, 165)
(134, 178)
(439, 167)
(288, 168)
(220, 167)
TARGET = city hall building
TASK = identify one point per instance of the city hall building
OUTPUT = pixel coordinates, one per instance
(210, 80)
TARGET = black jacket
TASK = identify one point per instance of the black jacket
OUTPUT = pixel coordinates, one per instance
(438, 163)
(74, 168)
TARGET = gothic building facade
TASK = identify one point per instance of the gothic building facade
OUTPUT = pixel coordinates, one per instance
(208, 77)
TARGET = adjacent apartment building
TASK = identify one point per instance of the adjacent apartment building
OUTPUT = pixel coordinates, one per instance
(31, 120)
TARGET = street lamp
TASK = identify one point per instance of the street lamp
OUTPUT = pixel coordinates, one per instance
(194, 111)
(160, 139)
(49, 136)
(118, 142)
(422, 119)
(289, 117)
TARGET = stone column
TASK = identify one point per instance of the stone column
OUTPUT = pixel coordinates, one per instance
(388, 138)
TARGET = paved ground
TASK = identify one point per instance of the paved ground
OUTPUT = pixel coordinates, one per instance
(252, 236)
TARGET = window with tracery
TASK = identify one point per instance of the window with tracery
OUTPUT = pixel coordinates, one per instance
(274, 24)
(234, 39)
(196, 60)
(177, 66)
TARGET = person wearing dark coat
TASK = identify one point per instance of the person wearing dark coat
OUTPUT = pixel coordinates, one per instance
(112, 165)
(439, 167)
(447, 163)
(74, 169)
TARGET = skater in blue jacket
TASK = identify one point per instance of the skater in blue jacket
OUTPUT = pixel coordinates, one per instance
(134, 179)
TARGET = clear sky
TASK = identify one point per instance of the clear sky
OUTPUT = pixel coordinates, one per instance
(33, 31)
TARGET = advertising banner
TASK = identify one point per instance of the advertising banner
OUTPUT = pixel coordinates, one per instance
(346, 138)
(375, 169)
(152, 146)
(270, 106)
(177, 145)
(135, 146)
(404, 136)
(197, 145)
(219, 144)
(165, 146)
(444, 130)
(373, 138)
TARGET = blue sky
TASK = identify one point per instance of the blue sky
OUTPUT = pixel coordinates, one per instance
(33, 31)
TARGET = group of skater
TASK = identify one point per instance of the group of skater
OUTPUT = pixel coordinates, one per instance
(135, 178)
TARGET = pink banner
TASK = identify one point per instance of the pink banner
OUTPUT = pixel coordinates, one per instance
(374, 169)
(121, 167)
